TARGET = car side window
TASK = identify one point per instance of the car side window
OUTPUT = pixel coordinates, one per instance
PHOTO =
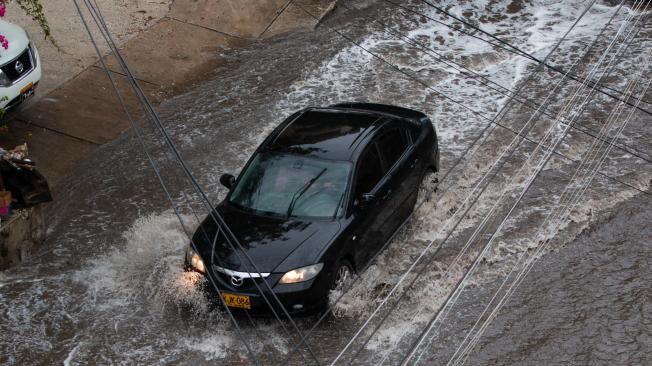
(392, 145)
(414, 134)
(370, 171)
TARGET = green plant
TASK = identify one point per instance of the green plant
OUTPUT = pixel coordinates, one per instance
(34, 9)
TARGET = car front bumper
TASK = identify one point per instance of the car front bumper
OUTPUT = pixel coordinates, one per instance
(295, 299)
(13, 93)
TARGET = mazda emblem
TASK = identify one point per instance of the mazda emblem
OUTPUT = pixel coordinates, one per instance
(18, 66)
(236, 280)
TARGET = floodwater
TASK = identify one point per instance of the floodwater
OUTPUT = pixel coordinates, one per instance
(109, 288)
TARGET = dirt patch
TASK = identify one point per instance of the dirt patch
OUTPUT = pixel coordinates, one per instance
(495, 18)
(515, 6)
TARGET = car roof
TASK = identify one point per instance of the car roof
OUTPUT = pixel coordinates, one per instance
(329, 133)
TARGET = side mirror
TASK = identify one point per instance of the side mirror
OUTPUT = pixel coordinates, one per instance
(366, 199)
(227, 180)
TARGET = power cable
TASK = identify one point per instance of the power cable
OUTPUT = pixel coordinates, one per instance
(497, 87)
(463, 353)
(455, 226)
(508, 47)
(515, 49)
(213, 213)
(458, 160)
(161, 181)
(453, 297)
(455, 294)
(229, 236)
(393, 66)
(184, 194)
(408, 287)
(516, 283)
(425, 85)
(514, 286)
(356, 44)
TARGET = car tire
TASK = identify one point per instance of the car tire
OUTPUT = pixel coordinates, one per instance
(424, 187)
(334, 282)
(342, 275)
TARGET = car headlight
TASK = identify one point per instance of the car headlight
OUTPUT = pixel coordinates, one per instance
(302, 274)
(4, 80)
(195, 260)
(32, 51)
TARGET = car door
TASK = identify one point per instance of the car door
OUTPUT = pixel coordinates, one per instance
(399, 159)
(367, 233)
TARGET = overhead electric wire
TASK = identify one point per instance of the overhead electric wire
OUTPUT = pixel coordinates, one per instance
(229, 236)
(515, 284)
(455, 294)
(176, 209)
(525, 54)
(376, 56)
(154, 117)
(632, 150)
(411, 77)
(427, 86)
(528, 265)
(453, 229)
(381, 321)
(159, 177)
(507, 46)
(457, 290)
(540, 248)
(482, 134)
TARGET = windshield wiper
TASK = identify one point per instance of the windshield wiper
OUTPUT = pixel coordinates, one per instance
(303, 190)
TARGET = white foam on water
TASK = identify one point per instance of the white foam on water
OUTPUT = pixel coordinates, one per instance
(150, 261)
(146, 274)
(212, 346)
(68, 360)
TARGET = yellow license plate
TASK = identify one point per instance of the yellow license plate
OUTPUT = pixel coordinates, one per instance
(237, 301)
(26, 88)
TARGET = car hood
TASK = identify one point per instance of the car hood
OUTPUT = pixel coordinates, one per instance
(17, 38)
(273, 244)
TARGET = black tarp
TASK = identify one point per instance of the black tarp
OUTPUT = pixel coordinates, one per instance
(27, 186)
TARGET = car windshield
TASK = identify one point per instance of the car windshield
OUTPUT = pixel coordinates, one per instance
(292, 185)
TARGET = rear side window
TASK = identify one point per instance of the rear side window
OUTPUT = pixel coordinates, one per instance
(370, 171)
(392, 145)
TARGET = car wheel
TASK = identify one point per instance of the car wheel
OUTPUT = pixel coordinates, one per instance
(342, 276)
(428, 185)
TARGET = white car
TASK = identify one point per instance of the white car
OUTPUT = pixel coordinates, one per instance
(20, 67)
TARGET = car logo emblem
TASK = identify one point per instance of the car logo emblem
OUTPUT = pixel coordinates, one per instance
(18, 66)
(236, 281)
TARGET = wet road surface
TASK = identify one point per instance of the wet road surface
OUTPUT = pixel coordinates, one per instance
(109, 287)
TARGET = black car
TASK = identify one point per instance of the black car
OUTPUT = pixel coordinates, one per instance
(318, 198)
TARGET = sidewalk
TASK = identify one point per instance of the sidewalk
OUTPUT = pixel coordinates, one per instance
(178, 51)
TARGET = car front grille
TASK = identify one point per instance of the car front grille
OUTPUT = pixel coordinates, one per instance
(247, 284)
(19, 67)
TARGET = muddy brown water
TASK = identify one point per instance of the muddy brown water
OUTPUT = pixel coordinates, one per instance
(109, 287)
